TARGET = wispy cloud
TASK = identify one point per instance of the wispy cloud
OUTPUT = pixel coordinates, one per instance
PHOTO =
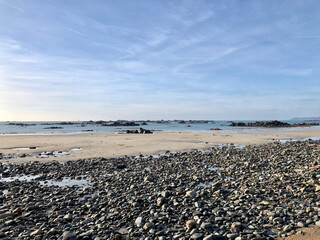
(77, 32)
(177, 60)
(12, 6)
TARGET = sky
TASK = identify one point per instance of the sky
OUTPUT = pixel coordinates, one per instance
(157, 59)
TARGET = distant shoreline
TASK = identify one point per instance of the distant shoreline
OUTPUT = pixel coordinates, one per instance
(162, 125)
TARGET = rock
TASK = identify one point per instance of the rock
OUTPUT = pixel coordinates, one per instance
(17, 211)
(68, 217)
(139, 222)
(236, 227)
(301, 224)
(206, 226)
(36, 232)
(214, 237)
(260, 124)
(197, 236)
(67, 235)
(232, 235)
(5, 215)
(148, 226)
(190, 194)
(190, 224)
(160, 201)
(259, 192)
(287, 228)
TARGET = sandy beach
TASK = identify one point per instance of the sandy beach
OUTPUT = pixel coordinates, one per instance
(107, 144)
(112, 145)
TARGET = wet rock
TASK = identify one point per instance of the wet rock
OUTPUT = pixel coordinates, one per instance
(139, 222)
(197, 236)
(190, 224)
(232, 235)
(69, 236)
(259, 192)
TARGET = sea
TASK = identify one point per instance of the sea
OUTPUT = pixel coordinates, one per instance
(73, 127)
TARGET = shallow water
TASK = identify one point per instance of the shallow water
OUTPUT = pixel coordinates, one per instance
(214, 168)
(27, 178)
(296, 140)
(24, 148)
(78, 127)
(64, 182)
(205, 185)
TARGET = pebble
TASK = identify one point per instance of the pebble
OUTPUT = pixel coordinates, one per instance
(139, 222)
(259, 192)
(190, 224)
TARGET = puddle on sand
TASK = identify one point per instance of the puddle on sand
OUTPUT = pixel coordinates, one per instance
(56, 153)
(228, 146)
(84, 197)
(205, 185)
(75, 149)
(45, 154)
(296, 140)
(24, 148)
(214, 168)
(237, 146)
(27, 178)
(166, 153)
(52, 154)
(64, 182)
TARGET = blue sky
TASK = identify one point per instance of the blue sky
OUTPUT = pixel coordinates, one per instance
(81, 60)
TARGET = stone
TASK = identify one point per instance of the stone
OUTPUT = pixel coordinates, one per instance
(190, 224)
(232, 235)
(139, 222)
(36, 232)
(190, 194)
(206, 226)
(301, 224)
(68, 217)
(197, 236)
(17, 211)
(67, 235)
(148, 226)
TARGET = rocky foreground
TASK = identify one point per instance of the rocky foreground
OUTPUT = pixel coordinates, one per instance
(259, 192)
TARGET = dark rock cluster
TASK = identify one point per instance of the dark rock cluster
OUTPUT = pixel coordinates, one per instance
(260, 124)
(139, 131)
(120, 124)
(271, 124)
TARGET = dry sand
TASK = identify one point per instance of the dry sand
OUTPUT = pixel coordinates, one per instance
(109, 144)
(310, 233)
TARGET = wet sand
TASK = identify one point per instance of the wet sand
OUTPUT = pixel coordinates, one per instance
(115, 145)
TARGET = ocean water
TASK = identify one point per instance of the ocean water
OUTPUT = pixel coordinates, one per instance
(175, 125)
